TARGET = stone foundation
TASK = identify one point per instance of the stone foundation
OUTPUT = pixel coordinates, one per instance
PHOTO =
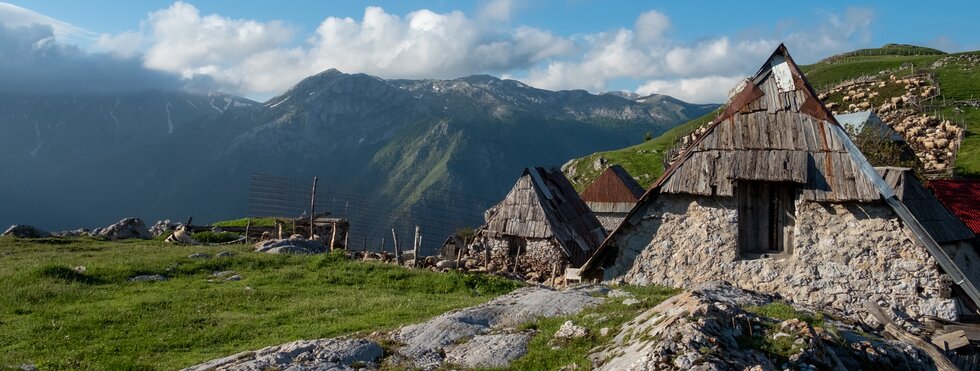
(844, 254)
(538, 256)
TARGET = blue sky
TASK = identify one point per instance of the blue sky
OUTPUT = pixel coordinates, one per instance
(686, 49)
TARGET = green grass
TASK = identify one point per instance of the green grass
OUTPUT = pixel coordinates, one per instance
(57, 317)
(256, 222)
(611, 314)
(643, 161)
(211, 237)
(784, 311)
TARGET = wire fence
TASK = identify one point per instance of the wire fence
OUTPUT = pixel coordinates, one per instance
(371, 218)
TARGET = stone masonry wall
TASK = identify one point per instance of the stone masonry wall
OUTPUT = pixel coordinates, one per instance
(843, 255)
(610, 221)
(538, 256)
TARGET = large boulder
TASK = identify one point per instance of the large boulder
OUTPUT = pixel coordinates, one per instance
(74, 233)
(124, 229)
(25, 231)
(291, 246)
(319, 354)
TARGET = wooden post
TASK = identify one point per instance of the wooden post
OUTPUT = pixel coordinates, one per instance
(415, 248)
(398, 252)
(333, 234)
(346, 239)
(382, 245)
(518, 257)
(279, 227)
(364, 242)
(459, 254)
(312, 207)
(554, 275)
(248, 224)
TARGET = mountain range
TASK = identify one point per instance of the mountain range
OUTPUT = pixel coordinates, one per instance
(387, 152)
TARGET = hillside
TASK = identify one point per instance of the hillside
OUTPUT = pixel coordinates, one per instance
(954, 102)
(387, 152)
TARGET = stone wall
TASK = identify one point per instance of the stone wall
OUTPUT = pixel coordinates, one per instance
(843, 255)
(538, 256)
(610, 221)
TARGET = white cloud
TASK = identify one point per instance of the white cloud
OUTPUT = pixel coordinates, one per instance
(708, 89)
(15, 16)
(262, 58)
(184, 42)
(497, 10)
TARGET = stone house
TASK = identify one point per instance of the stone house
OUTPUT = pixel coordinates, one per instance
(612, 195)
(542, 224)
(775, 197)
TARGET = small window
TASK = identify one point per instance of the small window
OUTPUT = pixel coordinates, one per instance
(766, 217)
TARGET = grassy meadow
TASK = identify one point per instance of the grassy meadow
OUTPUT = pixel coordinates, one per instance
(56, 315)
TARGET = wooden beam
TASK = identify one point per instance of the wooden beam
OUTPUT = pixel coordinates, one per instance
(312, 207)
(951, 341)
(938, 358)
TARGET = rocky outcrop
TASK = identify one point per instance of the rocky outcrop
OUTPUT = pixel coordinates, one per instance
(124, 229)
(709, 328)
(25, 231)
(483, 336)
(291, 246)
(320, 354)
(425, 343)
(80, 232)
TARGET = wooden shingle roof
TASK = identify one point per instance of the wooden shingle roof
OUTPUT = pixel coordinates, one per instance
(543, 204)
(615, 191)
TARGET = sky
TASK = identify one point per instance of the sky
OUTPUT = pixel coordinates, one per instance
(694, 51)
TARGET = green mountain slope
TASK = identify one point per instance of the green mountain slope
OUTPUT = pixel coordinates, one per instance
(957, 75)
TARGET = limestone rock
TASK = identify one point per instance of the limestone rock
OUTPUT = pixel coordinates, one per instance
(291, 246)
(425, 341)
(224, 254)
(124, 229)
(489, 351)
(569, 330)
(162, 227)
(147, 278)
(25, 231)
(199, 255)
(319, 354)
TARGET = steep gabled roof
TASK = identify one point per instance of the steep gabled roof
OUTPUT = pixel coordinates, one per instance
(868, 120)
(615, 191)
(935, 218)
(775, 129)
(962, 197)
(543, 204)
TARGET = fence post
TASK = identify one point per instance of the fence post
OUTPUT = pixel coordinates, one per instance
(398, 252)
(312, 207)
(333, 234)
(415, 247)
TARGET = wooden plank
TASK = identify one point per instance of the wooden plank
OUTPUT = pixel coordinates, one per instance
(938, 358)
(951, 341)
(971, 332)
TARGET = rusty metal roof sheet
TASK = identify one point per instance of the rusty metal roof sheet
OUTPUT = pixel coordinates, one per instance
(613, 191)
(962, 197)
(935, 218)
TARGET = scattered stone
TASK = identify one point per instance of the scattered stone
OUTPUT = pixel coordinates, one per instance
(604, 331)
(25, 231)
(199, 255)
(446, 264)
(79, 269)
(319, 354)
(80, 232)
(291, 246)
(489, 351)
(223, 274)
(569, 330)
(619, 293)
(124, 229)
(630, 302)
(234, 278)
(147, 278)
(162, 227)
(224, 254)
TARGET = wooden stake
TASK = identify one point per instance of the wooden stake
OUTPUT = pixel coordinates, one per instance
(382, 245)
(415, 248)
(333, 234)
(346, 239)
(279, 226)
(248, 224)
(554, 275)
(312, 207)
(398, 252)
